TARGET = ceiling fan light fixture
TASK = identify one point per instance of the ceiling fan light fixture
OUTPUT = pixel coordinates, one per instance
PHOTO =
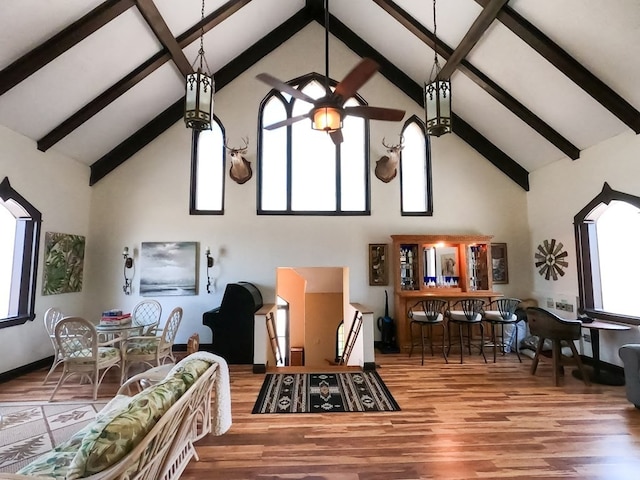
(327, 118)
(199, 90)
(437, 95)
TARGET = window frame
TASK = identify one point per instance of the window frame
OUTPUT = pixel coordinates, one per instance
(300, 83)
(414, 119)
(584, 230)
(195, 137)
(30, 241)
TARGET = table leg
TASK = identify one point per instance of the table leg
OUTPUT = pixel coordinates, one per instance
(599, 375)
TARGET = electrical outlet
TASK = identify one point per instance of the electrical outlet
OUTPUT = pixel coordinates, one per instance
(549, 302)
(559, 306)
(586, 337)
(568, 307)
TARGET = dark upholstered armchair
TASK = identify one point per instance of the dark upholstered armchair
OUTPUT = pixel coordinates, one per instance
(630, 355)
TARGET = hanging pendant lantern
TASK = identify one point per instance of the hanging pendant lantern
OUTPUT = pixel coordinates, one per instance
(199, 91)
(437, 95)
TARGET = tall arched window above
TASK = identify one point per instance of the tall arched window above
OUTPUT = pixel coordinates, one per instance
(207, 170)
(416, 197)
(19, 240)
(608, 259)
(301, 171)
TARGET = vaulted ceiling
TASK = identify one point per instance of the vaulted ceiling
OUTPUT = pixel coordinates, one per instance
(534, 81)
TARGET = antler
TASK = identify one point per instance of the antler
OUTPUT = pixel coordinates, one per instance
(241, 149)
(399, 146)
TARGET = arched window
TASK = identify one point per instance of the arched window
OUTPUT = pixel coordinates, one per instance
(207, 170)
(416, 198)
(301, 171)
(19, 241)
(608, 259)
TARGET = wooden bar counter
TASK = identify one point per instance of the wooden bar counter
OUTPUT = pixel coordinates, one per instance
(450, 267)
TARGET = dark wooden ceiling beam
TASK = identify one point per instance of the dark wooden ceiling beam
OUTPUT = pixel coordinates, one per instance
(475, 32)
(61, 42)
(129, 81)
(564, 62)
(482, 80)
(414, 91)
(154, 19)
(174, 113)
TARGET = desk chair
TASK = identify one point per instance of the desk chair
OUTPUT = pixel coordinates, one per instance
(427, 313)
(466, 312)
(545, 324)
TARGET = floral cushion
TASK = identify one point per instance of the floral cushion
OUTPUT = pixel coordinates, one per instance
(111, 438)
(56, 463)
(142, 347)
(190, 371)
(103, 353)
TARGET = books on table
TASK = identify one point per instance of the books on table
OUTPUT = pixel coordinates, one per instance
(115, 317)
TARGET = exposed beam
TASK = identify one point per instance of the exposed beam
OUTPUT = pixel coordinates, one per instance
(153, 17)
(564, 62)
(477, 29)
(61, 42)
(482, 80)
(414, 91)
(223, 77)
(129, 81)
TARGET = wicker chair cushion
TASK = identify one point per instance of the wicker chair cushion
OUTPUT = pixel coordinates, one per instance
(103, 353)
(113, 437)
(143, 347)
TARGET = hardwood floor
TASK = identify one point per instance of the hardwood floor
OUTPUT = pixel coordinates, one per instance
(467, 421)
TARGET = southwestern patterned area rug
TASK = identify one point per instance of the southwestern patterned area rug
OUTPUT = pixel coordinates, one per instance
(323, 393)
(29, 429)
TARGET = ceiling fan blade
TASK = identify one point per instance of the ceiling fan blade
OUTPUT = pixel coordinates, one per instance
(286, 122)
(375, 113)
(284, 87)
(336, 136)
(356, 78)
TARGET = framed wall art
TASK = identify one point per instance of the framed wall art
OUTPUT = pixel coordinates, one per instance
(499, 265)
(378, 264)
(63, 263)
(168, 268)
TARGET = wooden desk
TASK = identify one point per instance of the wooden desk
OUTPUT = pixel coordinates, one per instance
(598, 375)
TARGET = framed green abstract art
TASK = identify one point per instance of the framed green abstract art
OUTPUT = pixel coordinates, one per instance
(63, 263)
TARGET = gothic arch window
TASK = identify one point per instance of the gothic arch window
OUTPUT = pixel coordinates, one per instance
(207, 170)
(416, 197)
(608, 259)
(300, 170)
(19, 241)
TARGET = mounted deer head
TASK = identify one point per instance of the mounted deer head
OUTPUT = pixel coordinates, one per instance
(240, 170)
(387, 166)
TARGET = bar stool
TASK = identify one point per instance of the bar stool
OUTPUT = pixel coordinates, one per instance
(501, 312)
(427, 313)
(467, 311)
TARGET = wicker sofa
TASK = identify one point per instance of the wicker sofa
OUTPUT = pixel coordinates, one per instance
(148, 435)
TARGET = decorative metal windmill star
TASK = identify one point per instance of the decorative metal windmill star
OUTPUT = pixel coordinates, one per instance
(551, 259)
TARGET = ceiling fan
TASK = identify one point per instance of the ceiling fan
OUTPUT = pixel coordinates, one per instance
(329, 111)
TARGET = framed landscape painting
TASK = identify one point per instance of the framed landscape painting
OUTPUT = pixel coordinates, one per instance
(168, 268)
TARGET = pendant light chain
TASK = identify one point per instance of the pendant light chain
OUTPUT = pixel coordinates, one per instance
(436, 66)
(201, 57)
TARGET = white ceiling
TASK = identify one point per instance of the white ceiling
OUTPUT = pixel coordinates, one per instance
(603, 36)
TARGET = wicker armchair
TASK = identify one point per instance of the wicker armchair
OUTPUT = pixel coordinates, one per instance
(52, 316)
(146, 315)
(82, 354)
(148, 349)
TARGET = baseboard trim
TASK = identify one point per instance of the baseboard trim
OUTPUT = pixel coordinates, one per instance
(369, 366)
(30, 367)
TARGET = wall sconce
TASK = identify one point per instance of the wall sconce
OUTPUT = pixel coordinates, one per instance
(128, 265)
(209, 266)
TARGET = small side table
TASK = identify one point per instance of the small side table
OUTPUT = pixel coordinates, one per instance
(599, 375)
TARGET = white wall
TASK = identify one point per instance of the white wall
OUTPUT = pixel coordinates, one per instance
(147, 199)
(59, 188)
(558, 192)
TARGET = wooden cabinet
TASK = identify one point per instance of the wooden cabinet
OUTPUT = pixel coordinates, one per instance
(444, 266)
